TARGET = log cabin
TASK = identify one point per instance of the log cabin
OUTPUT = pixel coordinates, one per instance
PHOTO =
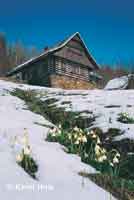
(68, 65)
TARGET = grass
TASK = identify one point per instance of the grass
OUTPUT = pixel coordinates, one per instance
(120, 188)
(68, 120)
(47, 109)
(117, 179)
(125, 118)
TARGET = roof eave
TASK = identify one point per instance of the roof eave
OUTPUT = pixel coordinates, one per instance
(18, 68)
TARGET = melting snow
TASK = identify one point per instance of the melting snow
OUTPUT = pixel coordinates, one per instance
(58, 178)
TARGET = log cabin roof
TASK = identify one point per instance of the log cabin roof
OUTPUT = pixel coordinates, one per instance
(53, 50)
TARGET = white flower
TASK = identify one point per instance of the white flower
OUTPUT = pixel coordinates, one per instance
(103, 151)
(75, 136)
(59, 126)
(77, 142)
(84, 139)
(80, 130)
(117, 155)
(97, 150)
(100, 159)
(53, 130)
(88, 133)
(25, 139)
(69, 136)
(91, 132)
(104, 157)
(27, 151)
(53, 134)
(76, 128)
(94, 136)
(98, 140)
(19, 157)
(59, 132)
(111, 164)
(115, 160)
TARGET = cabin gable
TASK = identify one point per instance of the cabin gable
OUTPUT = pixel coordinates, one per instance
(75, 51)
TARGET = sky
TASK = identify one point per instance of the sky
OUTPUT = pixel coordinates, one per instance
(107, 26)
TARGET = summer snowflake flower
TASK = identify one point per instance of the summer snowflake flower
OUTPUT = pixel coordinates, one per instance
(91, 132)
(69, 136)
(84, 139)
(59, 132)
(117, 155)
(115, 160)
(88, 133)
(76, 128)
(53, 134)
(94, 136)
(19, 158)
(80, 130)
(75, 136)
(102, 158)
(103, 151)
(25, 139)
(111, 164)
(77, 142)
(27, 151)
(97, 150)
(59, 126)
(98, 140)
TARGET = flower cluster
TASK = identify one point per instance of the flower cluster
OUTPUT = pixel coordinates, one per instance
(114, 157)
(87, 145)
(125, 118)
(77, 136)
(101, 154)
(54, 134)
(23, 152)
(55, 131)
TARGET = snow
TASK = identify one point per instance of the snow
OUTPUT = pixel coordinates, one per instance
(58, 171)
(105, 105)
(117, 83)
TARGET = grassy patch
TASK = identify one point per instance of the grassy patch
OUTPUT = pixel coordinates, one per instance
(47, 109)
(125, 118)
(98, 150)
(120, 188)
(116, 169)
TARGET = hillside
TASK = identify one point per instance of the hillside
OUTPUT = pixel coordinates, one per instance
(36, 110)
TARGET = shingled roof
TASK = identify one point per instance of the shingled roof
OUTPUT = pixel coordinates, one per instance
(53, 50)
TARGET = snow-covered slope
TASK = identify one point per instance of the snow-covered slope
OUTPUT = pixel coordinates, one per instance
(58, 171)
(119, 83)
